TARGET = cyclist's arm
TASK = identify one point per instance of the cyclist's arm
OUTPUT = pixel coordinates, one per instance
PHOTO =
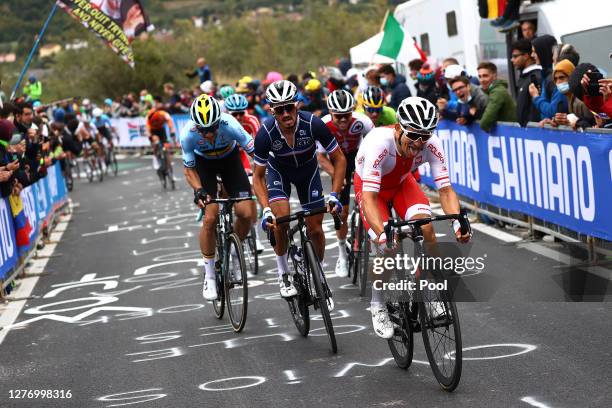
(326, 164)
(329, 143)
(339, 162)
(170, 123)
(371, 212)
(259, 185)
(449, 200)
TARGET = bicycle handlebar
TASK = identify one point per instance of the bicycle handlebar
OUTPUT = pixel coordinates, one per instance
(300, 215)
(222, 201)
(461, 217)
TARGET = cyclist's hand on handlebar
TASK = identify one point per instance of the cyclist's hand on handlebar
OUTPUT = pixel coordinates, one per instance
(334, 203)
(266, 215)
(201, 198)
(384, 245)
(463, 238)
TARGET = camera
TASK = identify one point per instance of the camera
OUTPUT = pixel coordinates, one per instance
(593, 86)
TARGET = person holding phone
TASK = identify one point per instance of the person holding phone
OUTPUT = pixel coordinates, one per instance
(598, 93)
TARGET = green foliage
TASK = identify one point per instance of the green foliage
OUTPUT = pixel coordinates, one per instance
(240, 45)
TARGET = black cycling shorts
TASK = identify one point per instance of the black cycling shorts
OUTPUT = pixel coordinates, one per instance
(161, 133)
(231, 171)
(345, 195)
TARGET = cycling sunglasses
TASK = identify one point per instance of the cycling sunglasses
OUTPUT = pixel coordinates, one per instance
(340, 116)
(373, 110)
(210, 129)
(416, 136)
(238, 114)
(279, 110)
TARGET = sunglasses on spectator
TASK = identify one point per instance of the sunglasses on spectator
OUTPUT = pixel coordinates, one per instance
(279, 110)
(373, 110)
(341, 116)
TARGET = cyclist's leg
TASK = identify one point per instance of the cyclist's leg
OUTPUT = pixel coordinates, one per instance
(237, 184)
(345, 200)
(411, 203)
(208, 177)
(310, 192)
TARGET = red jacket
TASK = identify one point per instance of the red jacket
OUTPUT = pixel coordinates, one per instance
(597, 104)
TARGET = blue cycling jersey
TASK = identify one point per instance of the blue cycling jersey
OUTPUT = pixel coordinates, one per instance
(271, 146)
(102, 121)
(229, 134)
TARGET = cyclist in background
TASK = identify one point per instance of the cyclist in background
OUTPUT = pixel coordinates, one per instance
(374, 108)
(349, 128)
(156, 122)
(225, 92)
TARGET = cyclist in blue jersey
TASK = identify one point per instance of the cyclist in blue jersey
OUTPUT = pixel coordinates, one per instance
(210, 143)
(285, 154)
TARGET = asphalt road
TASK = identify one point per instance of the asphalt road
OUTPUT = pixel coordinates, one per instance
(136, 331)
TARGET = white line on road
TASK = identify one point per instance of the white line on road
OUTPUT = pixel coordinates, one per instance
(532, 401)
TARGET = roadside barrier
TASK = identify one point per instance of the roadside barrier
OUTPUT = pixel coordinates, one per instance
(26, 222)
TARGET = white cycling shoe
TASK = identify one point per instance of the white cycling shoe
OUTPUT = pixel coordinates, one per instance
(341, 268)
(286, 286)
(209, 289)
(383, 327)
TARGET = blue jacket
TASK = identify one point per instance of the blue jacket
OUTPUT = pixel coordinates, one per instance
(549, 105)
(399, 91)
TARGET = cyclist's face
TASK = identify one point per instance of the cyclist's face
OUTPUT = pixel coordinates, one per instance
(373, 113)
(407, 147)
(342, 120)
(286, 115)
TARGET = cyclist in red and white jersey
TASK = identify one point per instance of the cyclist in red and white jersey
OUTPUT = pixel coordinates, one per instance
(383, 175)
(349, 128)
(236, 105)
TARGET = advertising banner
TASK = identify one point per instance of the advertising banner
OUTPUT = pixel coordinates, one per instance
(8, 246)
(116, 22)
(563, 177)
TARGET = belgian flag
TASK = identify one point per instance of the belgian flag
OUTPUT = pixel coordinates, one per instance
(491, 9)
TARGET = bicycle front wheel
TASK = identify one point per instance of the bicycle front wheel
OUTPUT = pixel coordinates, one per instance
(314, 268)
(441, 337)
(236, 286)
(250, 252)
(364, 254)
(402, 342)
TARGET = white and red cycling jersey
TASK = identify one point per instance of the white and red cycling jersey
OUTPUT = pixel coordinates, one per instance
(379, 166)
(359, 126)
(251, 124)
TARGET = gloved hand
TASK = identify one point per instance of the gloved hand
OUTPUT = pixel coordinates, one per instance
(267, 212)
(334, 202)
(461, 238)
(381, 244)
(200, 195)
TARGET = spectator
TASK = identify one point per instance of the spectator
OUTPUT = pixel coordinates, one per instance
(316, 98)
(396, 84)
(566, 51)
(577, 115)
(426, 84)
(500, 107)
(33, 90)
(471, 102)
(202, 71)
(415, 66)
(173, 101)
(528, 30)
(542, 53)
(9, 168)
(598, 103)
(530, 73)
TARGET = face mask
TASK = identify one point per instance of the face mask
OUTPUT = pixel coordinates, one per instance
(462, 101)
(383, 81)
(563, 87)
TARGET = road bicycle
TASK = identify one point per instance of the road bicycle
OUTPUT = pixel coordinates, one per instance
(358, 250)
(230, 267)
(164, 172)
(110, 158)
(92, 164)
(308, 278)
(251, 256)
(430, 311)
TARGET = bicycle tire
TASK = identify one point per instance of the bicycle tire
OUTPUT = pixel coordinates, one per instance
(448, 379)
(114, 162)
(314, 268)
(89, 171)
(351, 248)
(365, 261)
(237, 315)
(399, 313)
(251, 256)
(298, 305)
(356, 251)
(99, 162)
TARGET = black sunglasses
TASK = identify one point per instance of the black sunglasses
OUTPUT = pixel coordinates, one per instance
(373, 110)
(210, 129)
(241, 113)
(345, 115)
(279, 110)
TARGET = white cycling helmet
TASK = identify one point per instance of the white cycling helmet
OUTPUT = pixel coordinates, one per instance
(281, 92)
(97, 112)
(205, 111)
(417, 115)
(340, 101)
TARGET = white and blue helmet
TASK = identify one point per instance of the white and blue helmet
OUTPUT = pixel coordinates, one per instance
(236, 103)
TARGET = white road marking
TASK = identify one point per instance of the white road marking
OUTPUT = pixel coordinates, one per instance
(532, 401)
(112, 228)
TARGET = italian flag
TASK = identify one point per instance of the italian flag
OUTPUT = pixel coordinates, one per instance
(397, 44)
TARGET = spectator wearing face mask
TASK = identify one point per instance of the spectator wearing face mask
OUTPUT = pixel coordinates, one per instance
(550, 100)
(471, 102)
(395, 83)
(500, 106)
(426, 84)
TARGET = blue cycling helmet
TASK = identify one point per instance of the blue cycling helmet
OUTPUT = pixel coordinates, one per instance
(59, 114)
(108, 101)
(236, 103)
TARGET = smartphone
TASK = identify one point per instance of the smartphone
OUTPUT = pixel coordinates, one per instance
(534, 80)
(593, 87)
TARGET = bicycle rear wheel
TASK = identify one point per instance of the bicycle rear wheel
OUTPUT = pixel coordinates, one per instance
(100, 172)
(441, 337)
(113, 162)
(314, 268)
(364, 254)
(236, 286)
(89, 171)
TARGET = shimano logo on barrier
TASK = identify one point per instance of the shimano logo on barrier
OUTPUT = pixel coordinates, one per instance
(462, 157)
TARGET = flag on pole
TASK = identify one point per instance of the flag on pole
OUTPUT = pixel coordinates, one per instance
(492, 9)
(116, 22)
(397, 44)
